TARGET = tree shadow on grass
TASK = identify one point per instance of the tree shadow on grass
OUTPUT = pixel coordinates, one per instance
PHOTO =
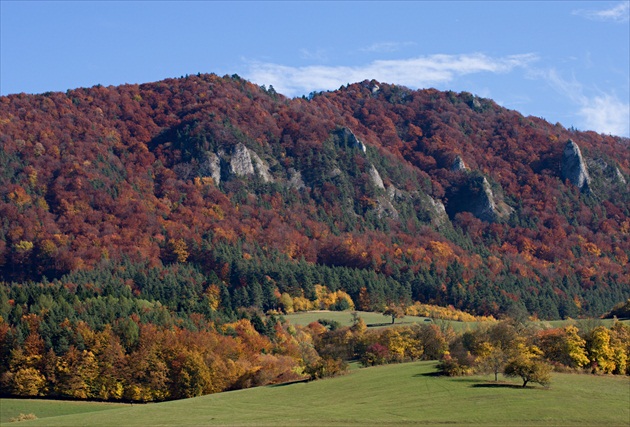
(301, 381)
(430, 374)
(498, 385)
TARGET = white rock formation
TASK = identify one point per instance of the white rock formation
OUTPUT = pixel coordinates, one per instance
(458, 165)
(574, 168)
(376, 178)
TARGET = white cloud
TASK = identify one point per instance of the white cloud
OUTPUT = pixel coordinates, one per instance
(415, 72)
(603, 112)
(606, 114)
(619, 13)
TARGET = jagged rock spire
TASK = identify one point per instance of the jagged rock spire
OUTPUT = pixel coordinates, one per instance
(574, 168)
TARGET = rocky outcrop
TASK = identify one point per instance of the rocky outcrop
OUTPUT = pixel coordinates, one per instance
(348, 138)
(619, 176)
(574, 168)
(241, 161)
(211, 166)
(609, 173)
(475, 195)
(438, 211)
(385, 208)
(335, 172)
(375, 177)
(394, 193)
(260, 167)
(295, 179)
(458, 165)
(486, 207)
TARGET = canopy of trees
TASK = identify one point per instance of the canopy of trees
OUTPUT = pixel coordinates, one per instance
(104, 173)
(187, 202)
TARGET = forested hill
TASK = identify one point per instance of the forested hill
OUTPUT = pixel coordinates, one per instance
(388, 194)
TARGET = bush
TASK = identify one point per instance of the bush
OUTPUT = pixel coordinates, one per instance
(375, 354)
(23, 417)
(452, 367)
(326, 367)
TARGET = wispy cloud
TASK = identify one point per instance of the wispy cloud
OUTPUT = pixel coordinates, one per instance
(386, 47)
(415, 72)
(607, 114)
(602, 112)
(618, 13)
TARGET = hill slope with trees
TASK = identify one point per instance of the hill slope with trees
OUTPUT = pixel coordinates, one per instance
(146, 230)
(388, 194)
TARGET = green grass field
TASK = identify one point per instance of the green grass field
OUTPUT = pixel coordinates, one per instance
(405, 394)
(370, 318)
(11, 408)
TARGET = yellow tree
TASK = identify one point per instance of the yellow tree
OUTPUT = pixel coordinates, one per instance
(77, 372)
(563, 346)
(600, 351)
(620, 340)
(491, 358)
(528, 365)
(24, 376)
(191, 376)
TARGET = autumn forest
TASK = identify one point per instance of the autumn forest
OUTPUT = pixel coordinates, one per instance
(152, 237)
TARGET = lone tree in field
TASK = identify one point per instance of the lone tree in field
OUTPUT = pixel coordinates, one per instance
(528, 365)
(396, 311)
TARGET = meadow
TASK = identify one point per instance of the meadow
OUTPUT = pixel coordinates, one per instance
(397, 395)
(372, 319)
(375, 320)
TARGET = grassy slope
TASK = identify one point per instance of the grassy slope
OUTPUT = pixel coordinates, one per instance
(370, 318)
(10, 408)
(405, 394)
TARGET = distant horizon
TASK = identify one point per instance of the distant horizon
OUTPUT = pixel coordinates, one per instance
(566, 62)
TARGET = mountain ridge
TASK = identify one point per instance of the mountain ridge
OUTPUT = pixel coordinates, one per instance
(361, 178)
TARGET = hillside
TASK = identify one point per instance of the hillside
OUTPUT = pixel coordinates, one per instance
(388, 194)
(402, 394)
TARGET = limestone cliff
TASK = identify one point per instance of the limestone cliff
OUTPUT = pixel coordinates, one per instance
(475, 195)
(458, 165)
(574, 168)
(347, 137)
(375, 177)
(241, 161)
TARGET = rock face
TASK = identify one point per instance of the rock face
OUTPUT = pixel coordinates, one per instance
(458, 165)
(260, 167)
(574, 168)
(385, 209)
(349, 138)
(241, 161)
(486, 207)
(476, 196)
(376, 178)
(610, 173)
(619, 176)
(439, 211)
(211, 166)
(295, 179)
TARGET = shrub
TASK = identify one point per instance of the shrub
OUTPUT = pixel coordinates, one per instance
(23, 417)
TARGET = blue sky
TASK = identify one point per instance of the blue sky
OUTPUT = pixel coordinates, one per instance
(565, 61)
